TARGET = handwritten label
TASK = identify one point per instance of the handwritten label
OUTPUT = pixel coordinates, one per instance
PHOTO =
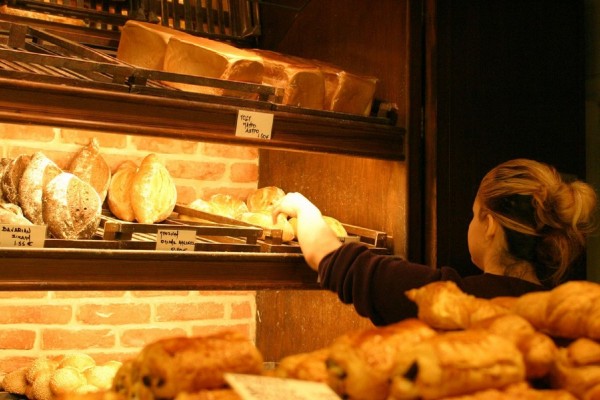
(22, 236)
(255, 387)
(175, 240)
(252, 124)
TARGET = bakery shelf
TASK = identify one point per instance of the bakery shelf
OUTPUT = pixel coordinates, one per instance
(50, 80)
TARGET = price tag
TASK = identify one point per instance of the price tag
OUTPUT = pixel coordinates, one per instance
(175, 240)
(252, 124)
(255, 387)
(22, 236)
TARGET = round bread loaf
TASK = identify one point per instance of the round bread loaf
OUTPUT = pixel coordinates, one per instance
(12, 176)
(39, 366)
(119, 191)
(15, 381)
(80, 361)
(36, 176)
(153, 191)
(265, 221)
(264, 199)
(199, 205)
(72, 208)
(89, 166)
(227, 205)
(11, 214)
(66, 380)
(100, 376)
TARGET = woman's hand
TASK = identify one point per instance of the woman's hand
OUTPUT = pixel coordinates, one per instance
(315, 237)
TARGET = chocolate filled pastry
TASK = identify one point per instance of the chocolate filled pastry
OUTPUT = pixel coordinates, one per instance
(456, 363)
(167, 367)
(361, 366)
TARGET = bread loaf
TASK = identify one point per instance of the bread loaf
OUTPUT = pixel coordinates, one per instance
(12, 176)
(11, 214)
(264, 198)
(198, 56)
(39, 172)
(227, 205)
(119, 191)
(153, 191)
(89, 166)
(4, 163)
(72, 207)
(265, 221)
(335, 225)
(302, 81)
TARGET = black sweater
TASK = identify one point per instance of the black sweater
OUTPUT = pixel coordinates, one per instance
(376, 283)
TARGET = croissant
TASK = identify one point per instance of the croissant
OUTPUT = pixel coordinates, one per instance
(577, 369)
(571, 310)
(442, 305)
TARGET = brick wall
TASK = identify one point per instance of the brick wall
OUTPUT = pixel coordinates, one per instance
(114, 325)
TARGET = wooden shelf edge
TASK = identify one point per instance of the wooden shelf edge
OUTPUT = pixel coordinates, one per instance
(100, 110)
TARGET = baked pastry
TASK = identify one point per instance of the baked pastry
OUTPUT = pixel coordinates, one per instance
(265, 221)
(66, 380)
(264, 199)
(153, 191)
(577, 369)
(360, 366)
(167, 367)
(456, 363)
(309, 366)
(89, 166)
(119, 191)
(227, 205)
(216, 394)
(570, 310)
(521, 391)
(15, 381)
(71, 207)
(12, 176)
(442, 305)
(40, 170)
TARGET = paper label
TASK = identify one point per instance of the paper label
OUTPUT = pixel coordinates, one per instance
(252, 124)
(22, 236)
(175, 240)
(255, 387)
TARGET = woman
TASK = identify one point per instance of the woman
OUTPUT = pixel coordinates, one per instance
(528, 228)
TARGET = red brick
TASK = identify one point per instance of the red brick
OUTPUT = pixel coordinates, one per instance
(164, 145)
(77, 339)
(113, 314)
(228, 151)
(17, 339)
(140, 337)
(189, 311)
(23, 295)
(244, 172)
(80, 294)
(38, 314)
(104, 357)
(186, 194)
(244, 329)
(159, 293)
(201, 171)
(61, 158)
(27, 132)
(83, 138)
(8, 364)
(241, 310)
(115, 160)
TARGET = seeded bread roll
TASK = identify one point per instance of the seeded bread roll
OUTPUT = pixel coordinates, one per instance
(66, 380)
(153, 191)
(36, 176)
(72, 208)
(12, 176)
(119, 191)
(89, 166)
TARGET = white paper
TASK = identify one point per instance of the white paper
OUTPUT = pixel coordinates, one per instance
(175, 240)
(252, 124)
(22, 236)
(256, 387)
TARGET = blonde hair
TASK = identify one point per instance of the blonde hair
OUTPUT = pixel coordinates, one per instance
(545, 218)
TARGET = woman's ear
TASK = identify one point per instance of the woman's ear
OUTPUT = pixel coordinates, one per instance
(492, 226)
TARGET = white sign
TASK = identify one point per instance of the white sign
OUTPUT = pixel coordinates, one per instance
(256, 387)
(175, 240)
(252, 124)
(22, 236)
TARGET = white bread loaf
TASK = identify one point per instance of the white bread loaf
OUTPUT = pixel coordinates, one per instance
(264, 198)
(302, 81)
(119, 191)
(227, 205)
(36, 176)
(144, 44)
(72, 207)
(208, 58)
(89, 166)
(153, 191)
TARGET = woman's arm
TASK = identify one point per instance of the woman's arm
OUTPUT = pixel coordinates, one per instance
(315, 237)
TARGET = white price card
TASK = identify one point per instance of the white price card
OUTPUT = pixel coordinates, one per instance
(175, 240)
(22, 236)
(255, 387)
(252, 124)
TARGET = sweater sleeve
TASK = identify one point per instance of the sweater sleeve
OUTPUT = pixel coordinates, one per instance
(375, 283)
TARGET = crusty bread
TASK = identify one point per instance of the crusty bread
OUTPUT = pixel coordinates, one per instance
(119, 191)
(227, 205)
(153, 191)
(264, 198)
(265, 221)
(89, 166)
(40, 170)
(12, 176)
(72, 207)
(12, 214)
